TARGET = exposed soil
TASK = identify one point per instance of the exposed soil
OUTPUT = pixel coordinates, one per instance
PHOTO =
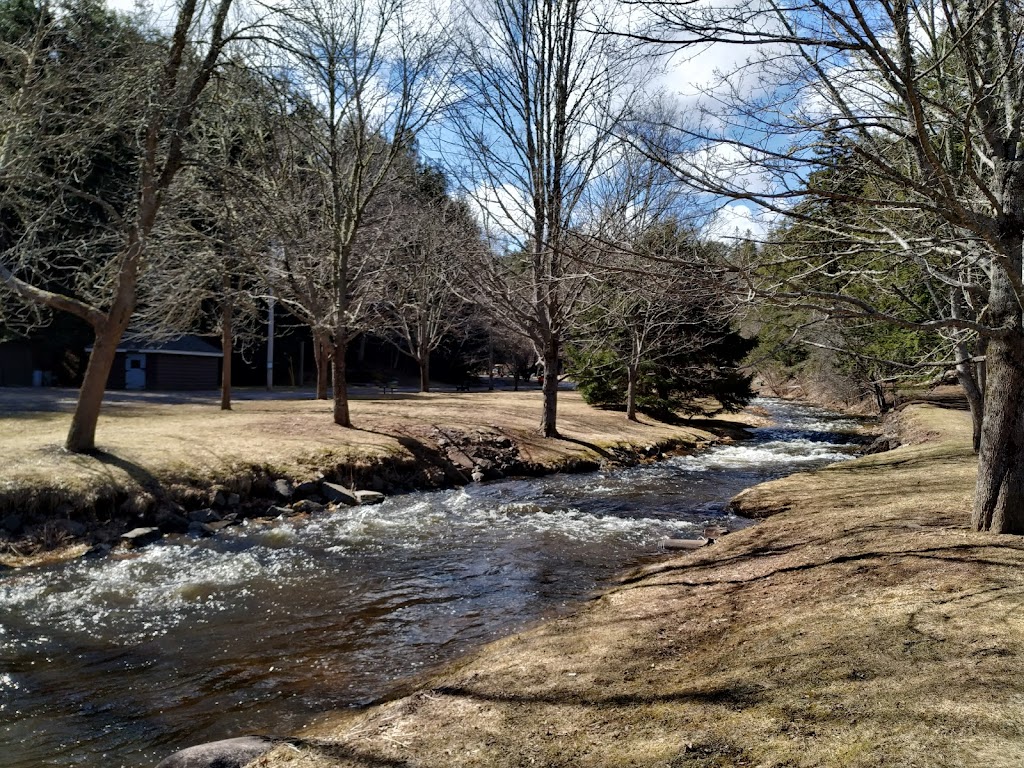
(861, 624)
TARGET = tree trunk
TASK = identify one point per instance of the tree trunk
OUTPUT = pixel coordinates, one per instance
(999, 494)
(82, 433)
(322, 358)
(423, 358)
(226, 345)
(631, 377)
(975, 395)
(341, 414)
(549, 418)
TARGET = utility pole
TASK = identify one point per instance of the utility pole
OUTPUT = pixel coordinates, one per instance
(270, 341)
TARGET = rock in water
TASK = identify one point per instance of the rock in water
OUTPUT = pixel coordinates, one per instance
(369, 497)
(229, 753)
(339, 494)
(140, 537)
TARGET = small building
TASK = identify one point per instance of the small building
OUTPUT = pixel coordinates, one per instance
(15, 364)
(186, 363)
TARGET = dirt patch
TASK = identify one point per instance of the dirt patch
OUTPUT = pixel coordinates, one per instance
(863, 626)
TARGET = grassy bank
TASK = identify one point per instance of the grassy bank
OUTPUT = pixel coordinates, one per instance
(157, 454)
(861, 624)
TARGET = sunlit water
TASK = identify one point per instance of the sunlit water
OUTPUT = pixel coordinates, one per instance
(119, 662)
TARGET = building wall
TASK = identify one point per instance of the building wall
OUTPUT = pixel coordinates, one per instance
(15, 364)
(181, 372)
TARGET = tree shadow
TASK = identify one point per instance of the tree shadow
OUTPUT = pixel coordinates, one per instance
(740, 696)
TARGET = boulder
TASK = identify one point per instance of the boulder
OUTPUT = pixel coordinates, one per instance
(169, 521)
(200, 530)
(97, 551)
(234, 500)
(229, 753)
(339, 494)
(369, 497)
(140, 537)
(205, 515)
(276, 511)
(306, 490)
(306, 507)
(219, 525)
(283, 489)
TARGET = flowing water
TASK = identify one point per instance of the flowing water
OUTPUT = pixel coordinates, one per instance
(121, 661)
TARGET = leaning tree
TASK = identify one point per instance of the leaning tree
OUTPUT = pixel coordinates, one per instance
(84, 96)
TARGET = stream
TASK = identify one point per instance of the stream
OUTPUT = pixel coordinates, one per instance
(123, 660)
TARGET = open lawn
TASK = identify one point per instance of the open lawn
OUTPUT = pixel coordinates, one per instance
(145, 447)
(862, 624)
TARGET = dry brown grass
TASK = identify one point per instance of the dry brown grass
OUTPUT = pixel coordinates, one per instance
(143, 446)
(862, 626)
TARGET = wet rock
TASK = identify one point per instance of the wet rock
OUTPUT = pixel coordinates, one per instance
(276, 511)
(306, 490)
(307, 507)
(218, 497)
(338, 494)
(97, 551)
(169, 521)
(200, 530)
(715, 531)
(229, 753)
(233, 500)
(220, 525)
(369, 497)
(283, 489)
(140, 537)
(205, 515)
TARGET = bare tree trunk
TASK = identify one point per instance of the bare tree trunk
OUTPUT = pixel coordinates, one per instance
(423, 358)
(226, 345)
(631, 384)
(322, 358)
(82, 433)
(975, 395)
(341, 413)
(549, 423)
(999, 494)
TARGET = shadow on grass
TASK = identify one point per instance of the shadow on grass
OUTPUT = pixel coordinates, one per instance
(742, 696)
(943, 554)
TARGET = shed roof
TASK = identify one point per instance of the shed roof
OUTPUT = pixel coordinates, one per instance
(189, 345)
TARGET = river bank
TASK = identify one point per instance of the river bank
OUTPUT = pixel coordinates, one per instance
(169, 466)
(861, 624)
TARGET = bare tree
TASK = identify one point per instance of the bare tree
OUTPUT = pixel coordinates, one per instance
(543, 91)
(372, 71)
(924, 103)
(150, 99)
(419, 308)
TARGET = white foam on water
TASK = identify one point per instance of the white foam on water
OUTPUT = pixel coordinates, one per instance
(144, 595)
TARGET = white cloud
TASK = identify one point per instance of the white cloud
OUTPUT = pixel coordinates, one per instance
(738, 221)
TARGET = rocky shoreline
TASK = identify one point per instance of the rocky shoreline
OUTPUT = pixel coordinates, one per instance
(435, 458)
